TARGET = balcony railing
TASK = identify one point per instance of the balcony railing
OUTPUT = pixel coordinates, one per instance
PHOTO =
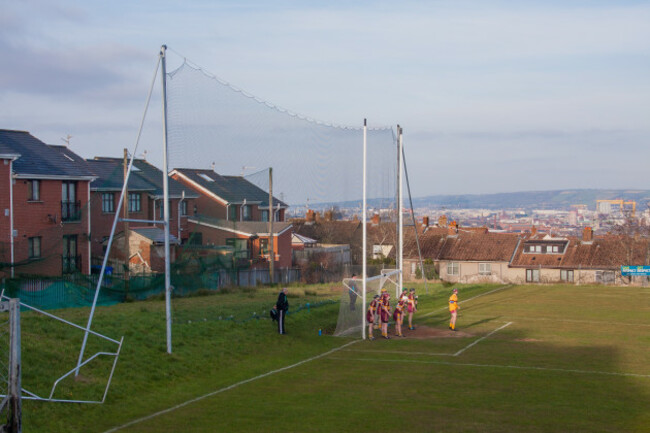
(70, 211)
(71, 264)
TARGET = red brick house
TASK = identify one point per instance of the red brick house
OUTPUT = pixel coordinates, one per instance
(44, 197)
(232, 211)
(145, 202)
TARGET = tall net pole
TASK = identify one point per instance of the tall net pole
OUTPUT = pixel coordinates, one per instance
(365, 229)
(166, 202)
(400, 252)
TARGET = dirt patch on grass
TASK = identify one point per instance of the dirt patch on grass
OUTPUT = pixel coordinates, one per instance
(424, 332)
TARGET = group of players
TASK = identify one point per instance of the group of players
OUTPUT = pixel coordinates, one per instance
(379, 314)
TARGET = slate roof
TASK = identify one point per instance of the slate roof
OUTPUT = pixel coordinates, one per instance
(110, 177)
(232, 189)
(154, 234)
(38, 160)
(144, 177)
(248, 228)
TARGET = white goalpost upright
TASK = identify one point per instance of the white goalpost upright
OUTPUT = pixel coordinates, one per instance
(364, 219)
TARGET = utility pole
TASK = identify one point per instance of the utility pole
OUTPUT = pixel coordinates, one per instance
(271, 218)
(127, 246)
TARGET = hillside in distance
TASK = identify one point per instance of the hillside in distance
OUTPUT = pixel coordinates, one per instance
(560, 199)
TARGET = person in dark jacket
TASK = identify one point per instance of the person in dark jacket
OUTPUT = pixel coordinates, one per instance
(282, 306)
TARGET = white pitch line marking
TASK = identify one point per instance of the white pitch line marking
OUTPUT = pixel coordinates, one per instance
(429, 353)
(517, 367)
(398, 352)
(467, 300)
(228, 388)
(481, 339)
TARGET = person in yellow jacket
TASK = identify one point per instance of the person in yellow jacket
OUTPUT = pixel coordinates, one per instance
(453, 309)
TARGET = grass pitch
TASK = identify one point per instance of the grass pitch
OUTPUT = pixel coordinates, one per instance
(525, 358)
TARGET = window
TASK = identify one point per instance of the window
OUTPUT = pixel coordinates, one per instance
(264, 215)
(33, 190)
(240, 247)
(264, 247)
(70, 207)
(605, 277)
(71, 261)
(566, 275)
(108, 202)
(162, 210)
(247, 213)
(135, 204)
(452, 268)
(538, 248)
(532, 275)
(196, 238)
(34, 247)
(232, 213)
(485, 268)
(184, 208)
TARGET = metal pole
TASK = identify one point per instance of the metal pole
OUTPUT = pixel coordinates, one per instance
(11, 216)
(364, 230)
(400, 218)
(15, 386)
(271, 218)
(417, 238)
(113, 228)
(166, 202)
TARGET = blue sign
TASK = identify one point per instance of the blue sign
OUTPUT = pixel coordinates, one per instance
(635, 270)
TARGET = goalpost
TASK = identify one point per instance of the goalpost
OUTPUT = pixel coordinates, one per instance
(357, 294)
(11, 406)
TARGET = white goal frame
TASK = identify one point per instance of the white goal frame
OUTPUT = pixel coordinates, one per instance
(392, 275)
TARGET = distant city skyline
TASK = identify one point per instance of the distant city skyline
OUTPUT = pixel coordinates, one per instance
(493, 96)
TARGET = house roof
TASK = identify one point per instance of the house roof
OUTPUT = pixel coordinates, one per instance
(144, 177)
(487, 247)
(330, 232)
(300, 239)
(154, 234)
(231, 189)
(37, 160)
(110, 177)
(606, 252)
(246, 228)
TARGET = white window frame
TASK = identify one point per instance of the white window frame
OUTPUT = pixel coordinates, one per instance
(105, 201)
(485, 268)
(453, 268)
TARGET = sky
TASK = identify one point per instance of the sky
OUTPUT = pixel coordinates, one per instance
(494, 96)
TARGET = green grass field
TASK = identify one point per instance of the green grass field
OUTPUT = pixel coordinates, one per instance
(528, 359)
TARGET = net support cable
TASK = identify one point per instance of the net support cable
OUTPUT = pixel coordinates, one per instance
(116, 219)
(415, 227)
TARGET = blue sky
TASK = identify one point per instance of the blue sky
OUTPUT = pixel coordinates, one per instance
(494, 96)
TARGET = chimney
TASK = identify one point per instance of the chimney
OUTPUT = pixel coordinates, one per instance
(425, 221)
(317, 217)
(587, 234)
(442, 221)
(533, 230)
(329, 215)
(375, 219)
(310, 216)
(453, 227)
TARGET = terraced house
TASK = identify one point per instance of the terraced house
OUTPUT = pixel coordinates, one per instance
(45, 224)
